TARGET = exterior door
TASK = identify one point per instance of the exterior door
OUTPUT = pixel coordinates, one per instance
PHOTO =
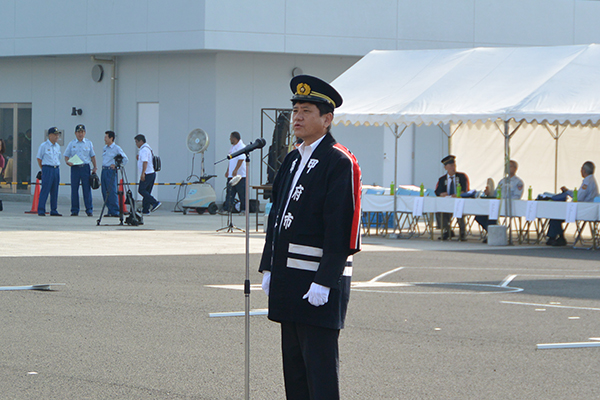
(15, 132)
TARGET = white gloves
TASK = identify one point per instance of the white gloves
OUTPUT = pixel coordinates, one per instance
(266, 282)
(317, 294)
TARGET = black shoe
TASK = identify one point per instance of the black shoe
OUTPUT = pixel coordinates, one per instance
(561, 241)
(56, 215)
(41, 215)
(550, 241)
(445, 236)
(90, 214)
(111, 216)
(484, 240)
(74, 214)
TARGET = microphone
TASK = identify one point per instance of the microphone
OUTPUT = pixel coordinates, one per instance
(257, 144)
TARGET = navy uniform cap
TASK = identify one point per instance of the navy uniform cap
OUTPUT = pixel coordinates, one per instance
(311, 89)
(80, 127)
(53, 130)
(448, 159)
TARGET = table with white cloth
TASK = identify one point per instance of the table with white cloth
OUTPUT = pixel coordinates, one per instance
(528, 219)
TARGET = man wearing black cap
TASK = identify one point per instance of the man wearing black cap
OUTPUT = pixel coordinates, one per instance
(313, 231)
(48, 158)
(448, 186)
(78, 155)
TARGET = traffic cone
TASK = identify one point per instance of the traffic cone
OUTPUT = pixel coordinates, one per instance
(122, 197)
(36, 198)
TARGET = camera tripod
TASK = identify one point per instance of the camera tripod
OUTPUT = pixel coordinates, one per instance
(133, 218)
(230, 227)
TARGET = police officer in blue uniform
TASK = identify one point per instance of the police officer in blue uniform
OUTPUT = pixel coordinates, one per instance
(80, 172)
(109, 172)
(48, 158)
(312, 232)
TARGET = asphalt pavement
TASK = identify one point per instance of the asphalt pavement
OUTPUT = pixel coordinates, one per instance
(427, 319)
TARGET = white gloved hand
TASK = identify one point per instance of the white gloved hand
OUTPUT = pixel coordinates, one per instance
(266, 282)
(317, 294)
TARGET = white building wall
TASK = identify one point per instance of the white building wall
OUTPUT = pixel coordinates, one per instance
(341, 27)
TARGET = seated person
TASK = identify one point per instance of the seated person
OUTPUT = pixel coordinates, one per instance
(586, 193)
(512, 184)
(447, 186)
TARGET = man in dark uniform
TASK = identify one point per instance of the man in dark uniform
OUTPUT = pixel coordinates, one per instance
(313, 231)
(447, 186)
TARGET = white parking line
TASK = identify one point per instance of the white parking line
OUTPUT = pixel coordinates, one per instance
(507, 280)
(550, 305)
(378, 277)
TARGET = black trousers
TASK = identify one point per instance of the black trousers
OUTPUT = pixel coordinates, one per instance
(310, 362)
(240, 189)
(444, 223)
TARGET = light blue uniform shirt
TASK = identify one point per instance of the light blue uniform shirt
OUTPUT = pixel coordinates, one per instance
(84, 149)
(589, 193)
(49, 153)
(109, 153)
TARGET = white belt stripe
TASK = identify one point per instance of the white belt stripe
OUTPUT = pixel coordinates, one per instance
(305, 250)
(311, 266)
(302, 264)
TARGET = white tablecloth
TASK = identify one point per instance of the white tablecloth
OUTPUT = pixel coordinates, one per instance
(545, 209)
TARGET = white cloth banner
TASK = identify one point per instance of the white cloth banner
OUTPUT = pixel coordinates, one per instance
(459, 206)
(571, 213)
(531, 211)
(418, 206)
(494, 209)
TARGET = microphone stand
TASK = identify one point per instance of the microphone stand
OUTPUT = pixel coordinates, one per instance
(261, 142)
(247, 282)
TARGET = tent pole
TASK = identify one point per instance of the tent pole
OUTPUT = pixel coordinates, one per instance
(556, 161)
(507, 197)
(397, 137)
(395, 172)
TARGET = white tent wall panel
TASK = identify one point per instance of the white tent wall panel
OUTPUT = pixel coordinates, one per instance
(576, 146)
(480, 153)
(430, 146)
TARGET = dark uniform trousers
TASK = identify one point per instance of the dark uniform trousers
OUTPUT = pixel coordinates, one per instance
(449, 187)
(310, 360)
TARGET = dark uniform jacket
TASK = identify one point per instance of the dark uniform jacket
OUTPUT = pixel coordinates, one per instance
(312, 242)
(442, 185)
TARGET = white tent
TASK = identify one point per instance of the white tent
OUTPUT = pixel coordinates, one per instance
(541, 88)
(559, 85)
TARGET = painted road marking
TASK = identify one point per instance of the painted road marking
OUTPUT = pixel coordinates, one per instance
(507, 280)
(550, 305)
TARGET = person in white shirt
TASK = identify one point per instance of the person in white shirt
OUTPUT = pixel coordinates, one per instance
(237, 166)
(512, 183)
(147, 175)
(586, 193)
